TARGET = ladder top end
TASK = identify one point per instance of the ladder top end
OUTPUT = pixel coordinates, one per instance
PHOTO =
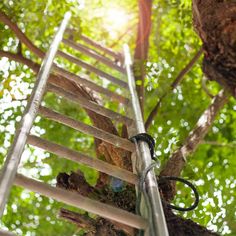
(67, 15)
(127, 55)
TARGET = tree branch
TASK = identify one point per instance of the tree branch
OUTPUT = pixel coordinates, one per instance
(216, 143)
(142, 45)
(204, 87)
(187, 68)
(177, 161)
(174, 84)
(154, 111)
(21, 59)
(20, 35)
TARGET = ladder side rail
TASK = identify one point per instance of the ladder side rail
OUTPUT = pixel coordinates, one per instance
(93, 69)
(90, 105)
(81, 158)
(79, 80)
(157, 222)
(89, 52)
(13, 158)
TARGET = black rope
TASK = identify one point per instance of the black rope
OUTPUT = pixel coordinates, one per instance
(174, 178)
(162, 179)
(151, 143)
(146, 138)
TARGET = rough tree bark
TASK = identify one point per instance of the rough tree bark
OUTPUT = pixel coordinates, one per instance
(142, 46)
(215, 23)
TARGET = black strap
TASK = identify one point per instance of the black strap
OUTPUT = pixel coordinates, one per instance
(151, 143)
(174, 178)
(146, 138)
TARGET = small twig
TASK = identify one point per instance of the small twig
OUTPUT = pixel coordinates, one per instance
(19, 48)
(216, 143)
(186, 69)
(116, 42)
(204, 87)
(154, 112)
(174, 84)
(122, 35)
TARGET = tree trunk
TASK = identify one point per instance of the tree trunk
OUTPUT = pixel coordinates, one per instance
(215, 23)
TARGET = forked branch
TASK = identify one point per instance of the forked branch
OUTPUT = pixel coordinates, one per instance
(177, 161)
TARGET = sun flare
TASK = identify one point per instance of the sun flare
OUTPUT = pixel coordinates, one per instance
(116, 20)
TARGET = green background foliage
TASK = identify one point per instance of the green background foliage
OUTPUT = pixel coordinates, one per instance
(173, 43)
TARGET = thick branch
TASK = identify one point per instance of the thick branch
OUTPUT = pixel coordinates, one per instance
(215, 24)
(96, 227)
(142, 45)
(177, 161)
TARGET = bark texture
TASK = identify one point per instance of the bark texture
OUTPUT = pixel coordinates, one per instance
(215, 23)
(142, 45)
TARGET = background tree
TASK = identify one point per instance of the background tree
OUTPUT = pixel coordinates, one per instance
(173, 49)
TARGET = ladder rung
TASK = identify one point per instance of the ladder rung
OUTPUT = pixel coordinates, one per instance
(77, 79)
(90, 105)
(99, 46)
(89, 52)
(93, 69)
(81, 158)
(87, 129)
(77, 200)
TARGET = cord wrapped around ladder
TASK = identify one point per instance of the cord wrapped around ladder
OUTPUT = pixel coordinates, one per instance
(151, 143)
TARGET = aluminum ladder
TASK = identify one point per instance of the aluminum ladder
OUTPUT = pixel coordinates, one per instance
(152, 220)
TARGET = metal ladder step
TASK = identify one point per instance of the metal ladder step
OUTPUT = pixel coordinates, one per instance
(101, 47)
(89, 52)
(93, 69)
(81, 158)
(77, 200)
(79, 80)
(87, 129)
(92, 106)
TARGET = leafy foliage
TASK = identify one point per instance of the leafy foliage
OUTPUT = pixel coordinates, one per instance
(172, 44)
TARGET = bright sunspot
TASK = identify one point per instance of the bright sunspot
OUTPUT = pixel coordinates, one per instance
(116, 21)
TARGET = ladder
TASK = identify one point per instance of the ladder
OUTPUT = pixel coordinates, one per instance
(151, 220)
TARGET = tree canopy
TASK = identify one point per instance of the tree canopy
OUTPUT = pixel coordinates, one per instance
(175, 95)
